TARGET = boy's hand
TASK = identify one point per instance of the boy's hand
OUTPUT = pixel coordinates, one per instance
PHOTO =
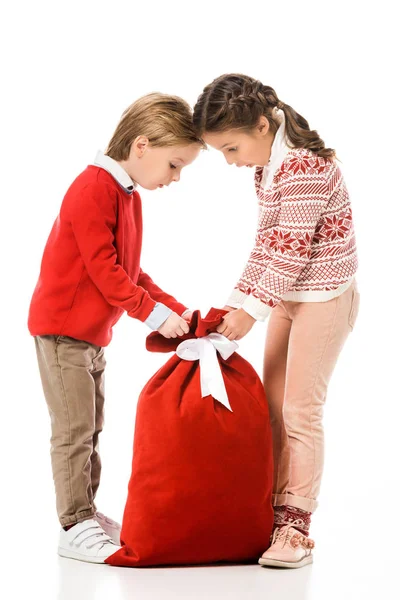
(174, 326)
(236, 324)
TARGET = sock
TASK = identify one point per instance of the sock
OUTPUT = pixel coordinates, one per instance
(285, 515)
(279, 516)
(68, 526)
(294, 514)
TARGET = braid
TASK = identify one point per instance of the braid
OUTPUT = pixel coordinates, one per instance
(237, 102)
(250, 99)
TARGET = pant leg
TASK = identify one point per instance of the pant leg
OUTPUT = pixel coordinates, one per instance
(66, 367)
(274, 376)
(317, 337)
(98, 376)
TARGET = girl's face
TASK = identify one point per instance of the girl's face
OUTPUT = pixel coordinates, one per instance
(156, 167)
(244, 149)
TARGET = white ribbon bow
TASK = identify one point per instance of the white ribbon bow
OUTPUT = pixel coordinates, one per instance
(205, 349)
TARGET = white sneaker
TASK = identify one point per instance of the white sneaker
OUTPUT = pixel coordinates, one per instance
(112, 528)
(86, 541)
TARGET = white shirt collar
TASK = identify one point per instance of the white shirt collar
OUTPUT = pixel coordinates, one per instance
(114, 168)
(279, 149)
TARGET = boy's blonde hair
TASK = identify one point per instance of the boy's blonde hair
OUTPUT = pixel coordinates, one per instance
(165, 120)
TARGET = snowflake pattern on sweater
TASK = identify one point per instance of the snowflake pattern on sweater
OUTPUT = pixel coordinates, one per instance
(305, 236)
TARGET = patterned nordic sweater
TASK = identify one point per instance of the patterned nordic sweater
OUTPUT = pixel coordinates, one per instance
(305, 247)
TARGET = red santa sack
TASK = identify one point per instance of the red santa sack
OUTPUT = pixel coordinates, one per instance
(201, 485)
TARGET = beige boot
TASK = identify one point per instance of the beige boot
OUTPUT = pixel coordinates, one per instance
(289, 549)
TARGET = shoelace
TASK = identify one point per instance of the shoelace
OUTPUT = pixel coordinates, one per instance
(96, 534)
(283, 534)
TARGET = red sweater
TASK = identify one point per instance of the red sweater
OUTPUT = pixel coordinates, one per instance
(90, 271)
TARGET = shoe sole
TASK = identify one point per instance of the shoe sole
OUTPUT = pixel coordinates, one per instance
(76, 556)
(270, 562)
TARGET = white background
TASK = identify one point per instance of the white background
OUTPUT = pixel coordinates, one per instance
(69, 69)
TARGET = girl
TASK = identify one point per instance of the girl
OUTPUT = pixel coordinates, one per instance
(90, 274)
(301, 272)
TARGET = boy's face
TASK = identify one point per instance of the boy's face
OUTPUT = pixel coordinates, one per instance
(154, 167)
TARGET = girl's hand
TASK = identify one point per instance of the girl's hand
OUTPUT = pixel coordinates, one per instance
(236, 324)
(229, 308)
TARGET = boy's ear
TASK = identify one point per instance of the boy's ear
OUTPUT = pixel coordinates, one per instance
(140, 145)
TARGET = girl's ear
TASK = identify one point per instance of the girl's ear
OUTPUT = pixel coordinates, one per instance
(140, 145)
(263, 125)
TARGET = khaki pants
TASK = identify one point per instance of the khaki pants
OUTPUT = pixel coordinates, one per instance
(303, 343)
(72, 374)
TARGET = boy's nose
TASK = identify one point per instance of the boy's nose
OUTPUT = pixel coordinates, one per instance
(176, 177)
(229, 160)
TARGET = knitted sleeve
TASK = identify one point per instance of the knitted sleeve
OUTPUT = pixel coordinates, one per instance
(282, 251)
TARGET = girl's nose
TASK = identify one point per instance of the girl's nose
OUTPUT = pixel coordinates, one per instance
(230, 160)
(176, 177)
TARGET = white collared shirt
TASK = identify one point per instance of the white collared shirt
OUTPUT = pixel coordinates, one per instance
(280, 147)
(114, 168)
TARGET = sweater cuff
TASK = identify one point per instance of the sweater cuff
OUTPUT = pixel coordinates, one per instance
(236, 299)
(185, 311)
(158, 316)
(176, 307)
(256, 308)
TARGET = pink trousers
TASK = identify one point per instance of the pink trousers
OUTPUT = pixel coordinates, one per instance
(304, 340)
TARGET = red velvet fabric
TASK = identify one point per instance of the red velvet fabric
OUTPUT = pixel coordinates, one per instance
(201, 484)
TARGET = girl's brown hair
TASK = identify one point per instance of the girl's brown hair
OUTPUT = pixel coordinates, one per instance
(164, 120)
(237, 101)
